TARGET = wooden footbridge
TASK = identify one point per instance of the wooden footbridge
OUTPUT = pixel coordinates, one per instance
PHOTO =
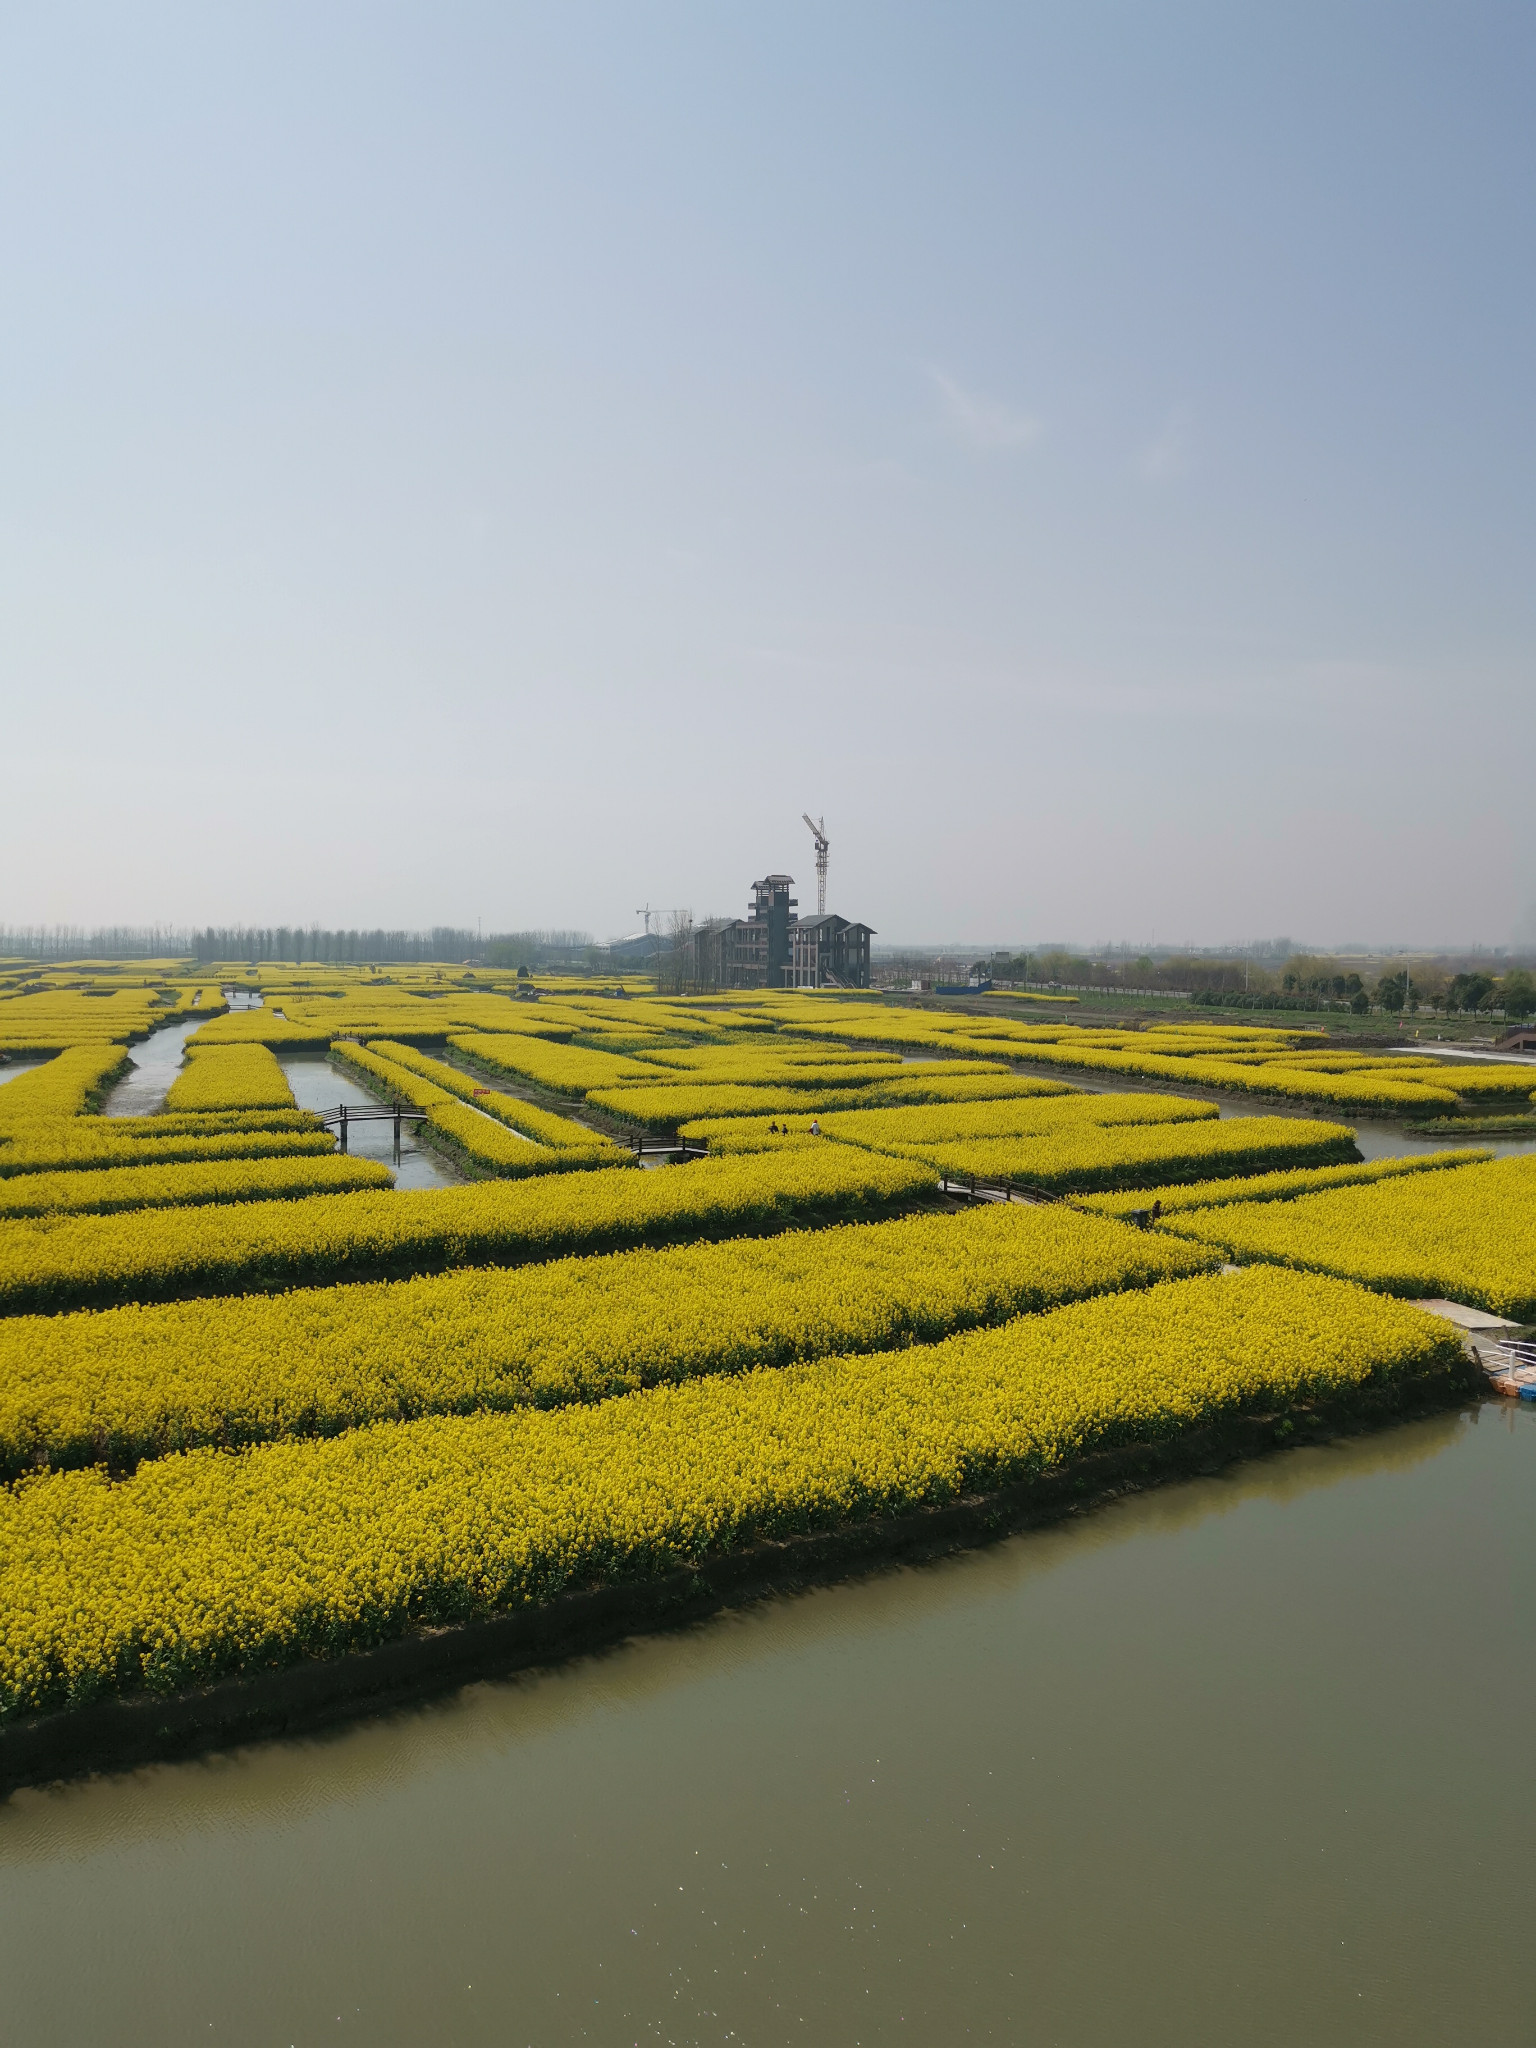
(979, 1189)
(675, 1150)
(345, 1114)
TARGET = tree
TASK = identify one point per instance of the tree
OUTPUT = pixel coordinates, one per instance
(1360, 1003)
(1471, 991)
(677, 967)
(1391, 992)
(1517, 994)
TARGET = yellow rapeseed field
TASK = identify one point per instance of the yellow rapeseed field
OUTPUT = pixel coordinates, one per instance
(1355, 1091)
(211, 1562)
(1090, 1156)
(129, 1383)
(1272, 1187)
(564, 1069)
(477, 1138)
(298, 1422)
(171, 1187)
(263, 1027)
(54, 1020)
(1482, 1078)
(1467, 1235)
(1014, 1116)
(90, 1143)
(200, 1123)
(750, 1060)
(231, 1077)
(63, 1087)
(67, 1262)
(1246, 1060)
(667, 1107)
(542, 1125)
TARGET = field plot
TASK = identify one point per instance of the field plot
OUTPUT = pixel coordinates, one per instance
(262, 1027)
(1005, 1118)
(561, 1132)
(762, 1064)
(485, 1132)
(230, 1077)
(1481, 1083)
(93, 1261)
(257, 1404)
(105, 1192)
(1466, 1235)
(1277, 1065)
(1091, 1156)
(65, 1086)
(93, 1143)
(210, 1562)
(1272, 1187)
(1072, 1142)
(55, 1020)
(133, 1383)
(679, 1102)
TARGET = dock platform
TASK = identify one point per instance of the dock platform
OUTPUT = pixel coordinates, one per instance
(1505, 1355)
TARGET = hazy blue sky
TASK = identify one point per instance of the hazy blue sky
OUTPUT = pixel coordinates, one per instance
(489, 461)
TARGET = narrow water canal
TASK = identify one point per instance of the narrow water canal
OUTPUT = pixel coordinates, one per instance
(316, 1084)
(156, 1061)
(1242, 1761)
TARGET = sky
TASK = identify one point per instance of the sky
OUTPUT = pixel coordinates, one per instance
(508, 462)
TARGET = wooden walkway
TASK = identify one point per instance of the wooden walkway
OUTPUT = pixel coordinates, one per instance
(995, 1190)
(346, 1114)
(1511, 1369)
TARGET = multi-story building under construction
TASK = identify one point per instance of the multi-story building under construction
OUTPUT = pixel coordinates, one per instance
(773, 947)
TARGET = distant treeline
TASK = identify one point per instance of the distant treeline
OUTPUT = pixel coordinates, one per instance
(102, 942)
(1304, 982)
(442, 942)
(1172, 974)
(291, 942)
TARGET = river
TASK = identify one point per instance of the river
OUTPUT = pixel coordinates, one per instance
(1239, 1761)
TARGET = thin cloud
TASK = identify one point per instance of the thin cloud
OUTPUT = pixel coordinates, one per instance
(985, 423)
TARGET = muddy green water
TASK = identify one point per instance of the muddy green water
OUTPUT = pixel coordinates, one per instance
(1245, 1760)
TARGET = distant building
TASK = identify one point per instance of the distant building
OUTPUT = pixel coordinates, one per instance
(772, 947)
(829, 952)
(637, 953)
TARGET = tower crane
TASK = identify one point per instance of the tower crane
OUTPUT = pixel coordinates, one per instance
(819, 830)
